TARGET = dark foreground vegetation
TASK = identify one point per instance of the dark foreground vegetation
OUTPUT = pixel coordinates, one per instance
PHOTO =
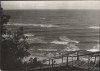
(14, 47)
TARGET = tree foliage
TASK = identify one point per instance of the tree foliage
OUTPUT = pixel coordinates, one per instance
(13, 46)
(34, 63)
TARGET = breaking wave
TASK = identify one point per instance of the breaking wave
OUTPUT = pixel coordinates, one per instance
(71, 47)
(36, 40)
(29, 34)
(59, 42)
(95, 48)
(64, 40)
(34, 25)
(94, 27)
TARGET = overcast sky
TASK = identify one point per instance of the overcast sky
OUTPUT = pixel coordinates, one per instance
(51, 4)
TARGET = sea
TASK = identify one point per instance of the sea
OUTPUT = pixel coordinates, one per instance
(46, 26)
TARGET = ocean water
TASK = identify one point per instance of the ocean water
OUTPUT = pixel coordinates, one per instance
(50, 25)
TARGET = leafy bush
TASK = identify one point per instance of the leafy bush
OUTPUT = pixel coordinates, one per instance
(13, 46)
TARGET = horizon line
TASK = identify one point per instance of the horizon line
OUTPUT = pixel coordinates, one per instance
(51, 9)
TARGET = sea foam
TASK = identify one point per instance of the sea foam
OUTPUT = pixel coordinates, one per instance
(34, 25)
(94, 27)
(95, 48)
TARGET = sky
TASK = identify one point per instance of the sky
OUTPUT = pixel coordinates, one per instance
(13, 5)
